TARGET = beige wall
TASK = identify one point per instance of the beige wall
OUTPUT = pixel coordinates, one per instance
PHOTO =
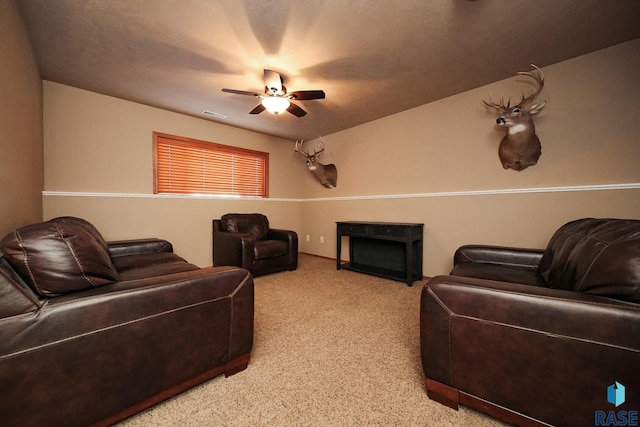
(21, 159)
(444, 156)
(98, 165)
(436, 164)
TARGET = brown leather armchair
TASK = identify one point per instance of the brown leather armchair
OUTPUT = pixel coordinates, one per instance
(536, 337)
(245, 240)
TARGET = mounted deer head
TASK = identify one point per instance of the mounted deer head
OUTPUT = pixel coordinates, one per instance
(520, 147)
(326, 174)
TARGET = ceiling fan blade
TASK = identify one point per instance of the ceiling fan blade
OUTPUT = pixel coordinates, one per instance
(296, 111)
(272, 80)
(240, 92)
(303, 95)
(259, 109)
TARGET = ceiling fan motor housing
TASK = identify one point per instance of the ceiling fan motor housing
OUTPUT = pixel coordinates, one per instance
(274, 91)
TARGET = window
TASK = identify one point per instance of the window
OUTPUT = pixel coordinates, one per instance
(189, 166)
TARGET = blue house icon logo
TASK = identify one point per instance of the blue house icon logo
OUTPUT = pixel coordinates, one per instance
(615, 394)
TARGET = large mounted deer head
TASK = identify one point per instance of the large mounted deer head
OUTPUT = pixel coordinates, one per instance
(326, 174)
(520, 147)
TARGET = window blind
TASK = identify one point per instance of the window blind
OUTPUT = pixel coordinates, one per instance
(187, 166)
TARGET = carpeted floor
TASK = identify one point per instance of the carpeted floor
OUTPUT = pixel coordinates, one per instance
(331, 348)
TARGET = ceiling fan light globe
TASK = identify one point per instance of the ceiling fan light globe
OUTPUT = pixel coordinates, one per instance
(275, 104)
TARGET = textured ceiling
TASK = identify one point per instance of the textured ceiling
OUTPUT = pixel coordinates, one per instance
(372, 58)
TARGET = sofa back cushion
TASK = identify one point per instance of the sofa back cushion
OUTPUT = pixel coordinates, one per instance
(85, 225)
(595, 256)
(256, 225)
(59, 256)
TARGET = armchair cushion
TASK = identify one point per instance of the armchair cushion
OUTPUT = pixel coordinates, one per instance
(257, 225)
(596, 256)
(264, 249)
(59, 256)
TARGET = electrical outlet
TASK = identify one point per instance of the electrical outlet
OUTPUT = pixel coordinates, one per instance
(308, 238)
(321, 239)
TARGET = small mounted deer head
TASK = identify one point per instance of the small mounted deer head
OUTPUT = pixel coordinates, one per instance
(520, 147)
(326, 174)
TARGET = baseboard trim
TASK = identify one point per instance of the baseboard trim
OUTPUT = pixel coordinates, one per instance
(318, 256)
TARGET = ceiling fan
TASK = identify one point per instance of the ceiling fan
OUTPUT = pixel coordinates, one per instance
(276, 99)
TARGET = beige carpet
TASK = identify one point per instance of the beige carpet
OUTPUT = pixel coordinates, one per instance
(331, 348)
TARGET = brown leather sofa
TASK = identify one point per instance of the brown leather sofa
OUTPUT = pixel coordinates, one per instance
(537, 337)
(92, 332)
(247, 241)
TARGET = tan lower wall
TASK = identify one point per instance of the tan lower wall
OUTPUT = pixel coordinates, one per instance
(185, 222)
(519, 219)
(522, 220)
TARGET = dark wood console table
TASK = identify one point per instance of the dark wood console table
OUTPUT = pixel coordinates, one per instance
(387, 249)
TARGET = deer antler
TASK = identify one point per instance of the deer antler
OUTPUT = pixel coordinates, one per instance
(539, 78)
(298, 149)
(536, 75)
(317, 153)
(492, 104)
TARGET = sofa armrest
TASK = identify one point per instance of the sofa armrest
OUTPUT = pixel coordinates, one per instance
(16, 296)
(501, 255)
(231, 248)
(289, 236)
(131, 341)
(119, 248)
(558, 312)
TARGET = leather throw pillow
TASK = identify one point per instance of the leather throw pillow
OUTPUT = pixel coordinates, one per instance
(59, 256)
(595, 256)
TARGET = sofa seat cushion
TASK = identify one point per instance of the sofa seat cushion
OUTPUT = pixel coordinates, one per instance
(59, 256)
(503, 273)
(596, 256)
(264, 249)
(141, 266)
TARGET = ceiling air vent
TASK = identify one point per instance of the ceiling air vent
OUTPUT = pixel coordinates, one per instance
(214, 114)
